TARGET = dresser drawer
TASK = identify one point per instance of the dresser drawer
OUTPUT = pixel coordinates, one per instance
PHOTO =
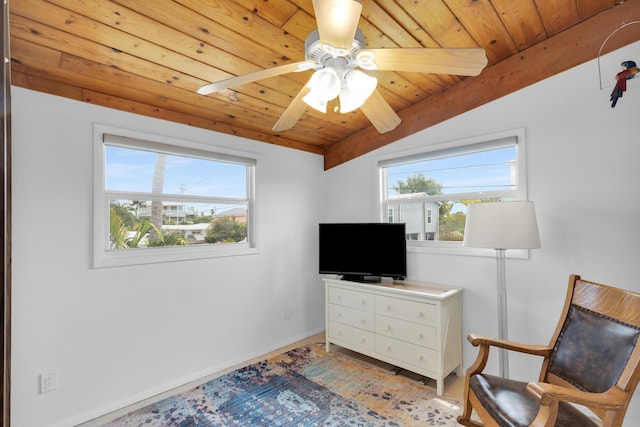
(354, 337)
(350, 316)
(415, 333)
(418, 312)
(421, 357)
(353, 299)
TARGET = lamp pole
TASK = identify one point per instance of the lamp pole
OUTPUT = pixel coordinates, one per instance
(502, 311)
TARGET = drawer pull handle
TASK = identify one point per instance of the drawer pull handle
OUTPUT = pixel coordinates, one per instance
(420, 314)
(388, 327)
(420, 358)
(388, 308)
(362, 321)
(388, 348)
(420, 335)
(362, 340)
(363, 302)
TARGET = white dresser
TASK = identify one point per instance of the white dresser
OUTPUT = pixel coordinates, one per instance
(411, 325)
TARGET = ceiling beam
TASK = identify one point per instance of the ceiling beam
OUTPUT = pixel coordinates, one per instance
(559, 53)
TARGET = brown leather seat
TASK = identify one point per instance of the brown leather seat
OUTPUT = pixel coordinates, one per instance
(593, 360)
(510, 405)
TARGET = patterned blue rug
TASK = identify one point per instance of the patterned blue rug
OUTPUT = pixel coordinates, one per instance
(303, 387)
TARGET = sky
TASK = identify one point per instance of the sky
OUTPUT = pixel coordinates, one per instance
(487, 170)
(481, 171)
(132, 170)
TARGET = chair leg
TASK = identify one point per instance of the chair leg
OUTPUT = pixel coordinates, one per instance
(465, 418)
(467, 422)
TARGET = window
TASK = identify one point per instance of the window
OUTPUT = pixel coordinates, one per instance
(159, 200)
(430, 190)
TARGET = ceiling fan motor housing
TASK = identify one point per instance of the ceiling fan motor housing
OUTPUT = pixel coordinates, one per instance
(314, 50)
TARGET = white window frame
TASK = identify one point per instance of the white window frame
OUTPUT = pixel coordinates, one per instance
(451, 147)
(105, 257)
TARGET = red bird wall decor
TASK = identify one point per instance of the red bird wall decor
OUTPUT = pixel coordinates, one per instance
(629, 71)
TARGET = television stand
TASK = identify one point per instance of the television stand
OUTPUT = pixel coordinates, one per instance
(412, 325)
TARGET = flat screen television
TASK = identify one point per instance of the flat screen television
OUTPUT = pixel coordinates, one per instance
(363, 252)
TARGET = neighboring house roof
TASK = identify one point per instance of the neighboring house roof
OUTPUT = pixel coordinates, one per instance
(232, 212)
(187, 227)
(407, 195)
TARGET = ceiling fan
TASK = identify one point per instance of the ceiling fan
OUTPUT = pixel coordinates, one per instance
(335, 51)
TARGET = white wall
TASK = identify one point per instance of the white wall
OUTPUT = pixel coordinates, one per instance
(583, 176)
(116, 335)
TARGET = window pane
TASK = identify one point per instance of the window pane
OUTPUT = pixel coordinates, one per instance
(131, 224)
(430, 191)
(487, 170)
(131, 170)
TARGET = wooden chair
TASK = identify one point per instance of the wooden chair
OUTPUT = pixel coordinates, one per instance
(592, 360)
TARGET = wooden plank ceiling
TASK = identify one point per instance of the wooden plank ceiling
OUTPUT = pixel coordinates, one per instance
(149, 57)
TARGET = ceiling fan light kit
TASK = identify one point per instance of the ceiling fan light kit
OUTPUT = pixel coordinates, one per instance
(338, 63)
(358, 88)
(335, 50)
(325, 85)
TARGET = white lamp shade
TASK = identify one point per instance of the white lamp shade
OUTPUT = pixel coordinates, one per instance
(501, 225)
(325, 86)
(359, 87)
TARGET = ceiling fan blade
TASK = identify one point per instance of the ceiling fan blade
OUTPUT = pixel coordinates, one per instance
(462, 62)
(258, 75)
(380, 113)
(337, 22)
(293, 112)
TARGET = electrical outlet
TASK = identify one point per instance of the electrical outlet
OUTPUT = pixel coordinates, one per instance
(288, 314)
(47, 382)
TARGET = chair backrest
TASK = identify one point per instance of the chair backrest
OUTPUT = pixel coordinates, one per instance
(596, 342)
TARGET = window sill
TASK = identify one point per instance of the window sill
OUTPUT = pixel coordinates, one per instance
(456, 248)
(129, 257)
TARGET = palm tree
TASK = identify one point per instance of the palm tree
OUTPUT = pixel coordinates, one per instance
(119, 232)
(156, 188)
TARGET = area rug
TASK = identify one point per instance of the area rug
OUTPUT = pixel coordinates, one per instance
(302, 387)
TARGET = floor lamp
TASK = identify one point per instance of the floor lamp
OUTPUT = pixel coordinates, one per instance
(502, 226)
